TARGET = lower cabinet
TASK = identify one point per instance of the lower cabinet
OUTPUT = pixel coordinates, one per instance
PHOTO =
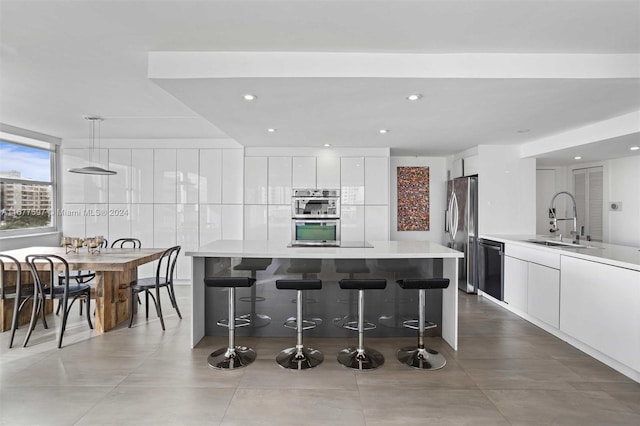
(516, 282)
(543, 289)
(600, 306)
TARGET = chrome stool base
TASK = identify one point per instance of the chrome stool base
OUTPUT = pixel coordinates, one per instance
(223, 359)
(368, 359)
(307, 358)
(422, 359)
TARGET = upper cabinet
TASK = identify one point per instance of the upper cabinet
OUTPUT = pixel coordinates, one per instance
(352, 180)
(142, 176)
(255, 180)
(120, 183)
(304, 172)
(376, 180)
(210, 176)
(328, 172)
(187, 177)
(232, 188)
(279, 180)
(164, 176)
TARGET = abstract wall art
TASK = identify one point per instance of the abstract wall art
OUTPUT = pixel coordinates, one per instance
(413, 198)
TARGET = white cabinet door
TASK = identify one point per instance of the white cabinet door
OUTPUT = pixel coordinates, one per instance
(142, 176)
(142, 219)
(232, 173)
(376, 181)
(516, 275)
(304, 172)
(328, 172)
(164, 176)
(352, 223)
(232, 221)
(280, 223)
(543, 301)
(187, 237)
(210, 223)
(210, 176)
(352, 180)
(73, 221)
(255, 222)
(600, 306)
(188, 178)
(119, 222)
(255, 180)
(376, 223)
(279, 180)
(120, 184)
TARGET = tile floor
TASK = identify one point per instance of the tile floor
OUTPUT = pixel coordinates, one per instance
(506, 371)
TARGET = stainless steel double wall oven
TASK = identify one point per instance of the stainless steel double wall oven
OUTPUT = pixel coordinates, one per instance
(315, 217)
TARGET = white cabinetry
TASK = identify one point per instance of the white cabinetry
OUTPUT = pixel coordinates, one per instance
(515, 282)
(255, 180)
(543, 301)
(352, 180)
(328, 172)
(600, 306)
(352, 223)
(376, 181)
(232, 188)
(164, 176)
(210, 176)
(141, 176)
(279, 180)
(304, 172)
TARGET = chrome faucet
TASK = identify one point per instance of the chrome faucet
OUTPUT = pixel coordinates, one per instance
(555, 219)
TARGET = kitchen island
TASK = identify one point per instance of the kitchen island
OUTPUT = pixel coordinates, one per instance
(588, 296)
(384, 259)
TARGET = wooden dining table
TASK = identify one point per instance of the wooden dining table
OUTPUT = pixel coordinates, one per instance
(115, 269)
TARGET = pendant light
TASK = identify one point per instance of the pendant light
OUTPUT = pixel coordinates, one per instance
(93, 170)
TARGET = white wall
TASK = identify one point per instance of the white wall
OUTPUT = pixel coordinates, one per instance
(624, 186)
(506, 191)
(437, 197)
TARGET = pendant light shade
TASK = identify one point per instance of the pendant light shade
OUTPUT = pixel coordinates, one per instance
(93, 170)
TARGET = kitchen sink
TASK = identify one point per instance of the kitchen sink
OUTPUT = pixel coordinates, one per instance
(555, 243)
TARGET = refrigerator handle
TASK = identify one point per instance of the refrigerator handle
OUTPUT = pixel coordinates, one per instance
(454, 216)
(446, 221)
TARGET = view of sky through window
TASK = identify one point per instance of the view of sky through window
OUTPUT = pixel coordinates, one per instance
(31, 163)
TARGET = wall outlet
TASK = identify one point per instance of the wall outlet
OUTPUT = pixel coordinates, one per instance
(615, 206)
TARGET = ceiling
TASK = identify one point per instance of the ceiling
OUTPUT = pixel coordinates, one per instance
(61, 60)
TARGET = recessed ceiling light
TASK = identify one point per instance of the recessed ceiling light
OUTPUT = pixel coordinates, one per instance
(524, 130)
(271, 130)
(577, 157)
(383, 131)
(327, 145)
(414, 97)
(250, 97)
(634, 148)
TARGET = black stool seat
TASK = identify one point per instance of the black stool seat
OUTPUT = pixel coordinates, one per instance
(423, 283)
(232, 356)
(419, 356)
(363, 284)
(299, 284)
(229, 282)
(253, 264)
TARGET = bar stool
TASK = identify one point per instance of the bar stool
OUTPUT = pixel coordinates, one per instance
(299, 357)
(351, 267)
(361, 358)
(402, 267)
(419, 356)
(254, 264)
(306, 267)
(232, 356)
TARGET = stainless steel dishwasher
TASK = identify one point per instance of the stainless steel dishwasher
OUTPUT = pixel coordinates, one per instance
(491, 268)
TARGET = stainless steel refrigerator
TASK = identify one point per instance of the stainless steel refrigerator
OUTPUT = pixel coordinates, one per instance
(461, 227)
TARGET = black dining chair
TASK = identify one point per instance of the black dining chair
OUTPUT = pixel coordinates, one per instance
(151, 286)
(126, 242)
(81, 277)
(53, 288)
(13, 289)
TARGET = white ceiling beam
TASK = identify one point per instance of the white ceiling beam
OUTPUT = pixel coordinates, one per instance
(192, 65)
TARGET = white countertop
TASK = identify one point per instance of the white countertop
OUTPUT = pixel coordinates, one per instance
(611, 254)
(380, 250)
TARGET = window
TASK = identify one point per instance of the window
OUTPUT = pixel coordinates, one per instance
(27, 189)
